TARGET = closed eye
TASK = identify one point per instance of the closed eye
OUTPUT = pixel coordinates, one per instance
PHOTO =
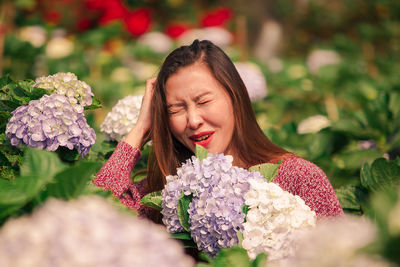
(204, 102)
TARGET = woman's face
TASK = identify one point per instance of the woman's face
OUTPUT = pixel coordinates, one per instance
(200, 110)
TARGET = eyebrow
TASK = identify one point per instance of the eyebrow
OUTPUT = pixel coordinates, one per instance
(197, 98)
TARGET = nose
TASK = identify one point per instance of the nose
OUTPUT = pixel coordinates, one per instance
(194, 118)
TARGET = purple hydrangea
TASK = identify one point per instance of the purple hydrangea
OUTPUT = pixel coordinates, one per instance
(215, 213)
(48, 123)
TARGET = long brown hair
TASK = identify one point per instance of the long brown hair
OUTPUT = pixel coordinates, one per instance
(248, 141)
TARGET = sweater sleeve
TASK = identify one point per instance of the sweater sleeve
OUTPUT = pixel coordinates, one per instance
(115, 176)
(303, 178)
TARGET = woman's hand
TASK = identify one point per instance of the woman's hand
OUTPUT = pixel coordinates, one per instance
(139, 133)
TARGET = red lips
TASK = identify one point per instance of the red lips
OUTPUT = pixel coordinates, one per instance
(202, 139)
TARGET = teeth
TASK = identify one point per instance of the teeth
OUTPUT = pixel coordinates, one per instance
(204, 137)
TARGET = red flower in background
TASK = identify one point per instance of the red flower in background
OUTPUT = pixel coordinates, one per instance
(83, 24)
(96, 4)
(52, 17)
(217, 17)
(138, 21)
(174, 30)
(113, 10)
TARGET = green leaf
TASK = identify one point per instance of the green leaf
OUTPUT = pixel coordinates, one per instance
(9, 105)
(185, 239)
(347, 197)
(182, 236)
(245, 209)
(366, 176)
(71, 182)
(20, 190)
(189, 244)
(382, 174)
(267, 170)
(203, 256)
(7, 210)
(95, 104)
(5, 80)
(153, 200)
(232, 257)
(240, 237)
(40, 163)
(201, 152)
(260, 260)
(355, 159)
(37, 170)
(183, 206)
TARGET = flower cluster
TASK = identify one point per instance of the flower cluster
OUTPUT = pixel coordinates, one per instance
(48, 123)
(122, 117)
(335, 243)
(220, 194)
(320, 58)
(274, 219)
(253, 79)
(313, 124)
(156, 41)
(87, 232)
(215, 212)
(78, 92)
(218, 35)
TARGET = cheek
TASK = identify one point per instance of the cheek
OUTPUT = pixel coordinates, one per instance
(177, 126)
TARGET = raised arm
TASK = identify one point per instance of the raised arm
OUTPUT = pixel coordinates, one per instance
(303, 178)
(115, 174)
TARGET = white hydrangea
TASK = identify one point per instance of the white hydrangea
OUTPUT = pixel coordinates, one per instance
(78, 92)
(319, 58)
(36, 35)
(121, 119)
(335, 242)
(87, 233)
(313, 124)
(253, 78)
(142, 70)
(218, 35)
(157, 41)
(274, 219)
(59, 47)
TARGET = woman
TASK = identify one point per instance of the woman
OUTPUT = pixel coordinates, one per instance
(199, 98)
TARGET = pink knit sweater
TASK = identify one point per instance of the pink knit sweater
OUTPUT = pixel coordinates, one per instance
(295, 175)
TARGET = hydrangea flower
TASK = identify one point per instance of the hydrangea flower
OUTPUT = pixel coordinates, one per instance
(78, 92)
(122, 117)
(215, 212)
(313, 124)
(48, 123)
(320, 58)
(219, 192)
(87, 232)
(274, 219)
(335, 243)
(156, 41)
(254, 80)
(218, 35)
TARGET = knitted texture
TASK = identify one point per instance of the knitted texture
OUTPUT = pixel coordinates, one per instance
(295, 175)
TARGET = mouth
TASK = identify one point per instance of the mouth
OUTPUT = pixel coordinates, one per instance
(202, 139)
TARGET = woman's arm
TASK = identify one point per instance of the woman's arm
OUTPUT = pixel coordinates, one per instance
(115, 175)
(303, 178)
